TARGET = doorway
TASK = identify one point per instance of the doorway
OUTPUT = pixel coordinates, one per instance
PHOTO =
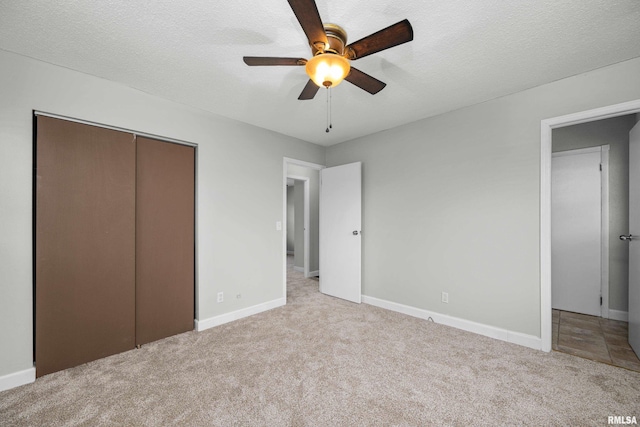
(301, 184)
(583, 250)
(549, 321)
(298, 223)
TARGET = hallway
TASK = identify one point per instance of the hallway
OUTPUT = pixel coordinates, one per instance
(594, 338)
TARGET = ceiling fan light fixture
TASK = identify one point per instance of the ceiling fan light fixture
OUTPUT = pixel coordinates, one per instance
(328, 69)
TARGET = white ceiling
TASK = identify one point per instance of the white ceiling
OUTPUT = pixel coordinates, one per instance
(464, 52)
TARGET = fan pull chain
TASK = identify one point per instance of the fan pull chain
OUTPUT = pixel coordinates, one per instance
(330, 109)
(327, 130)
(329, 116)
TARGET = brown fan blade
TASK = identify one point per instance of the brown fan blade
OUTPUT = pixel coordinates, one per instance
(365, 81)
(391, 36)
(309, 90)
(268, 60)
(308, 16)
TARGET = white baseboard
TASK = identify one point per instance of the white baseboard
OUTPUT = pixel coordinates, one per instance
(619, 315)
(298, 269)
(17, 379)
(201, 325)
(466, 325)
(314, 273)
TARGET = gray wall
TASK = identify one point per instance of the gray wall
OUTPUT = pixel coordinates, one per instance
(239, 190)
(449, 203)
(614, 132)
(452, 203)
(314, 211)
(290, 219)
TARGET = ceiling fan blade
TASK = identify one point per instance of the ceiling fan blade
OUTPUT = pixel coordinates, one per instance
(391, 36)
(308, 16)
(309, 90)
(364, 81)
(269, 60)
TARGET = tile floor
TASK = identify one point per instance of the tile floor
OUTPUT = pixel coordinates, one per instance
(594, 338)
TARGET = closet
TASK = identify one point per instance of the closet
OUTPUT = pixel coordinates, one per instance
(114, 242)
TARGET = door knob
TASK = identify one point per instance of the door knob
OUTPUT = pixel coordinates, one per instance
(628, 238)
(355, 233)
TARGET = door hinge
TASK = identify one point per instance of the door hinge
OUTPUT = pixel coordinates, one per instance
(600, 167)
(600, 300)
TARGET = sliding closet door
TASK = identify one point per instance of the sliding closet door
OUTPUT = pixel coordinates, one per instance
(85, 244)
(164, 239)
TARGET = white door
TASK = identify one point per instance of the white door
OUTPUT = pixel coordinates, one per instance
(576, 237)
(340, 228)
(634, 244)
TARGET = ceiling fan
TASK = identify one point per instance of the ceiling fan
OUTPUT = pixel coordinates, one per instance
(331, 56)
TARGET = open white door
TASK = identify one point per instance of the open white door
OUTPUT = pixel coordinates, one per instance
(340, 228)
(634, 240)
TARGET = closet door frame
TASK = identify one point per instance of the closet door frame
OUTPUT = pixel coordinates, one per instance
(37, 113)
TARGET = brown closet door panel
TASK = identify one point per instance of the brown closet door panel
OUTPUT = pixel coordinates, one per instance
(164, 240)
(85, 244)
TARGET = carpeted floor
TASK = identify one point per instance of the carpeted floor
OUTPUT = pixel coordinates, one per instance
(321, 361)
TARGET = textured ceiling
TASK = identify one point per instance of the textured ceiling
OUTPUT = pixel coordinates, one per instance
(464, 52)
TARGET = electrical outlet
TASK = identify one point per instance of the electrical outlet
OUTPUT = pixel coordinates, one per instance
(445, 297)
(220, 296)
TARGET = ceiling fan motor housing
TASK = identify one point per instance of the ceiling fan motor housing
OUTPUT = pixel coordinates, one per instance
(337, 38)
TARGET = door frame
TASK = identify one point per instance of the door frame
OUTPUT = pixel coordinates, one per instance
(34, 115)
(305, 220)
(604, 218)
(546, 128)
(286, 161)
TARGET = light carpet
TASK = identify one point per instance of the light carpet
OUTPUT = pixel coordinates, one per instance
(321, 361)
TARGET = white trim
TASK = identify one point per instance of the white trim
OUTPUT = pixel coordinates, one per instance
(622, 316)
(201, 325)
(602, 113)
(306, 222)
(519, 338)
(298, 269)
(546, 127)
(314, 273)
(17, 379)
(119, 129)
(597, 149)
(285, 163)
(545, 237)
(604, 270)
(303, 163)
(196, 227)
